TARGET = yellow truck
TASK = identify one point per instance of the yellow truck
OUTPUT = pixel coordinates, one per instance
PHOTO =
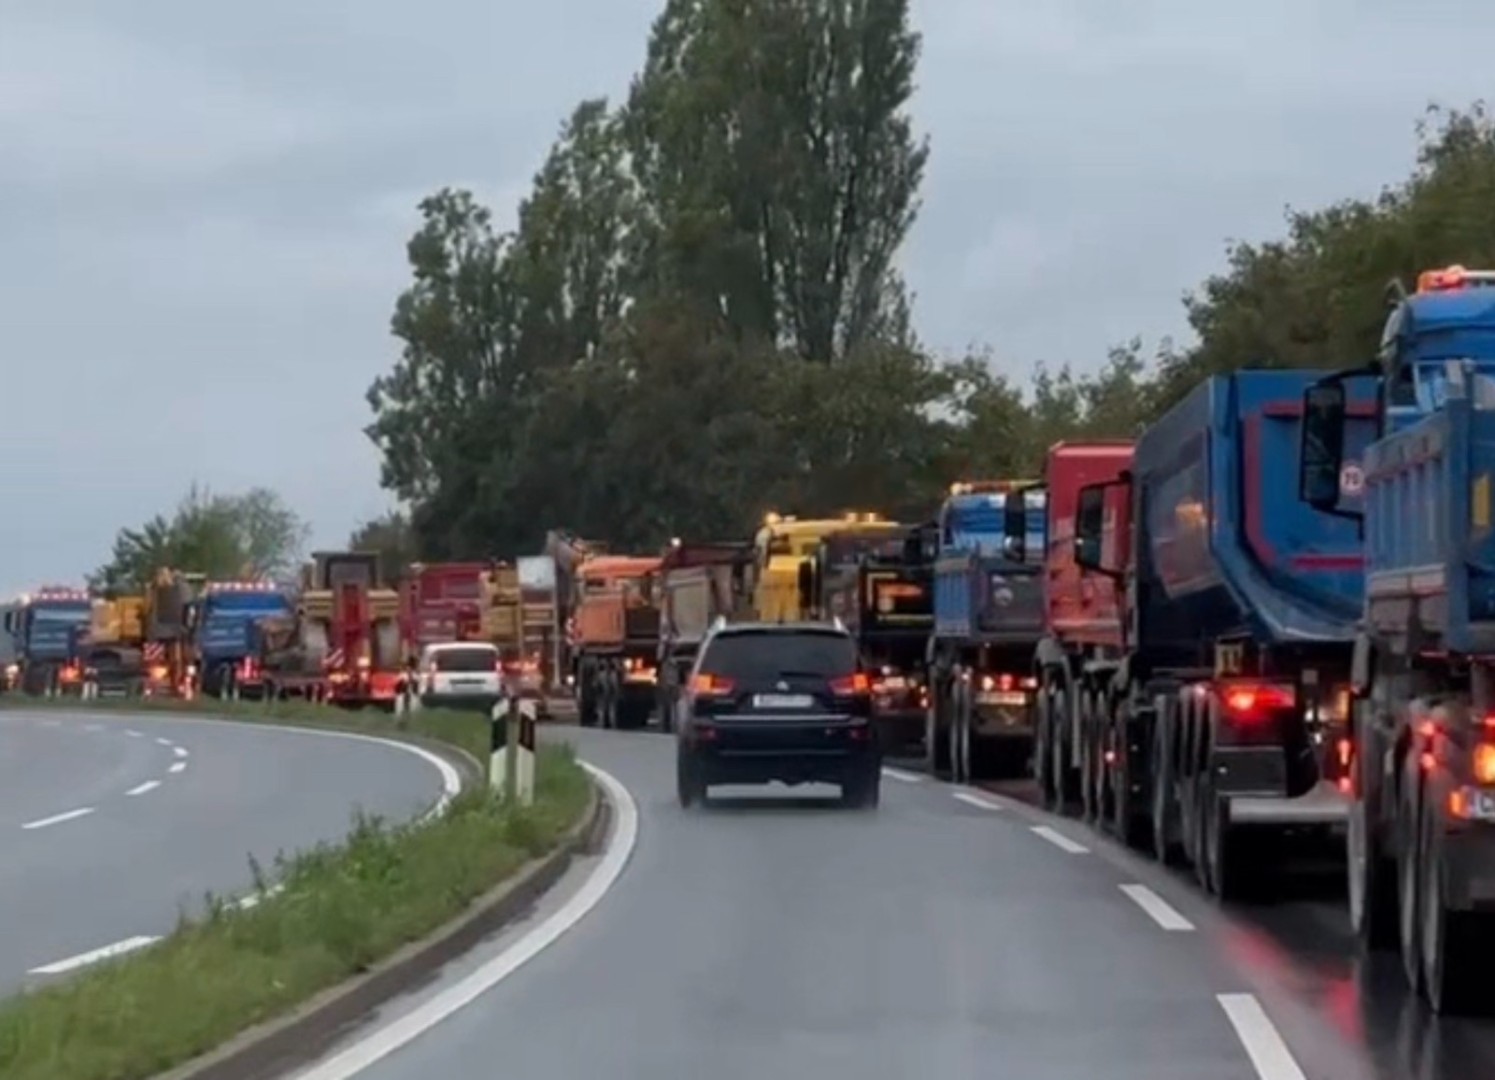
(785, 551)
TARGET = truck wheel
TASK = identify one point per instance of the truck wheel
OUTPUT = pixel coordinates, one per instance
(1043, 768)
(960, 734)
(1453, 945)
(688, 787)
(1224, 858)
(1198, 795)
(1091, 764)
(1372, 884)
(1165, 845)
(1407, 861)
(936, 734)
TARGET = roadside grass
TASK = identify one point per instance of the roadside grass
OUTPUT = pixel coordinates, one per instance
(465, 729)
(343, 908)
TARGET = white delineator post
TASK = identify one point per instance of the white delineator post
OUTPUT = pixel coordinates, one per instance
(511, 766)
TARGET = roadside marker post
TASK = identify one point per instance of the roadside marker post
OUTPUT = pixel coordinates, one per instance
(511, 767)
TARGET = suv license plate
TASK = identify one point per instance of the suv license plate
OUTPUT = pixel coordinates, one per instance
(782, 701)
(1482, 806)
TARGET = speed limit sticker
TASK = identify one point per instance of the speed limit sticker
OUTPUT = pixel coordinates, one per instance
(1351, 480)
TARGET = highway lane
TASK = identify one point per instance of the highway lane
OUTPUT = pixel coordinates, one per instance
(947, 934)
(110, 824)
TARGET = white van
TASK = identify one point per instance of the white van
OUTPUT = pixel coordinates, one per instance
(461, 673)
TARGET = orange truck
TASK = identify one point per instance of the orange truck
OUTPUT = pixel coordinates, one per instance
(615, 627)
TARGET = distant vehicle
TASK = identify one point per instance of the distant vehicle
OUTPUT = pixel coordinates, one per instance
(784, 702)
(454, 674)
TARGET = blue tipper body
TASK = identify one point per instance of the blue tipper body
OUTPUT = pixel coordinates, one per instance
(226, 619)
(1429, 541)
(980, 595)
(1224, 548)
(52, 629)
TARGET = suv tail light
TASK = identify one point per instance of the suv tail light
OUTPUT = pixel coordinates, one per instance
(1252, 702)
(1484, 763)
(704, 685)
(853, 685)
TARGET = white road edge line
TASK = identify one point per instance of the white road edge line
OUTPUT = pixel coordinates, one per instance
(57, 819)
(387, 1040)
(1162, 912)
(975, 800)
(901, 776)
(72, 963)
(179, 751)
(178, 767)
(1060, 841)
(141, 789)
(1259, 1035)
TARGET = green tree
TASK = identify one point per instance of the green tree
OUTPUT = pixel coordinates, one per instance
(392, 536)
(224, 536)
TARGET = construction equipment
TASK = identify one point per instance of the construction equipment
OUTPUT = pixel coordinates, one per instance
(785, 549)
(697, 584)
(113, 653)
(170, 651)
(617, 639)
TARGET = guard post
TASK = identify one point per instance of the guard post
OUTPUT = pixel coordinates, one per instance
(511, 767)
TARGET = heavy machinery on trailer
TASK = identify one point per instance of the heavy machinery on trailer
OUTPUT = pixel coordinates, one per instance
(1084, 637)
(170, 650)
(784, 552)
(988, 619)
(698, 582)
(880, 585)
(1421, 835)
(113, 653)
(441, 602)
(1223, 727)
(222, 619)
(503, 625)
(47, 628)
(617, 640)
(542, 631)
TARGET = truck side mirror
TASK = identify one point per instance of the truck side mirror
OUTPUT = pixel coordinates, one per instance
(1090, 515)
(806, 585)
(1321, 447)
(1015, 526)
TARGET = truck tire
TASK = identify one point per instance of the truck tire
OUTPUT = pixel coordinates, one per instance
(960, 732)
(1371, 881)
(1043, 749)
(1166, 846)
(1454, 943)
(1409, 827)
(937, 728)
(1224, 860)
(1091, 762)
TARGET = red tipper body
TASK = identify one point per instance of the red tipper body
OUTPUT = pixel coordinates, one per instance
(443, 602)
(1082, 608)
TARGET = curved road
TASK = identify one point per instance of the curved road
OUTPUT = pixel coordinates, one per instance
(110, 824)
(949, 934)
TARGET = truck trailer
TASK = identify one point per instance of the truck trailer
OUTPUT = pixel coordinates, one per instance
(699, 582)
(988, 619)
(1082, 640)
(1420, 844)
(1223, 726)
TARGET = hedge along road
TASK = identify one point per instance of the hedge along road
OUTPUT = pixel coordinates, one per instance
(111, 823)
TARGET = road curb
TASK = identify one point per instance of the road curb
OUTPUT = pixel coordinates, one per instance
(275, 1048)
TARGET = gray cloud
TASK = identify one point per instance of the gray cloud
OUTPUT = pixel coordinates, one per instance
(204, 209)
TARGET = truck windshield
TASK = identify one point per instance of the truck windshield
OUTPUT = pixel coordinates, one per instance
(61, 614)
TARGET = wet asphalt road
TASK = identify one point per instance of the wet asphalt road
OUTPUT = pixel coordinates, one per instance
(110, 824)
(949, 933)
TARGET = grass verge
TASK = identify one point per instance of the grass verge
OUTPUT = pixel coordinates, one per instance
(343, 908)
(468, 730)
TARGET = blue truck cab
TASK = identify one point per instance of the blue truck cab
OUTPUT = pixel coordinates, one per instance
(46, 629)
(223, 621)
(988, 619)
(1420, 846)
(1223, 722)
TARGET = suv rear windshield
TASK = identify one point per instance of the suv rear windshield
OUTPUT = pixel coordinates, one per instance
(468, 659)
(752, 657)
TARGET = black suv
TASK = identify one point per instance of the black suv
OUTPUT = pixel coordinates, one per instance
(777, 701)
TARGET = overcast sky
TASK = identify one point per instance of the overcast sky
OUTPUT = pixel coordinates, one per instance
(203, 207)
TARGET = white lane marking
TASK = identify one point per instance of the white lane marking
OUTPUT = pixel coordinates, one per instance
(72, 963)
(141, 789)
(1162, 912)
(164, 742)
(901, 776)
(57, 819)
(132, 733)
(1259, 1035)
(380, 1044)
(178, 767)
(975, 800)
(1060, 841)
(179, 751)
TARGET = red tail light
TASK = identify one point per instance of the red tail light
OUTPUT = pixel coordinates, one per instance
(704, 685)
(1484, 763)
(853, 685)
(1255, 701)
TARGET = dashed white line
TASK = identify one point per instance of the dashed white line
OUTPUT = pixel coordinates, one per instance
(901, 776)
(178, 767)
(1060, 841)
(58, 819)
(164, 742)
(72, 963)
(1259, 1035)
(132, 733)
(976, 800)
(141, 789)
(1162, 912)
(179, 751)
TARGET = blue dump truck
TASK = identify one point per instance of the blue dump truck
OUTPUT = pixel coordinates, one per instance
(988, 619)
(1421, 836)
(223, 620)
(47, 630)
(1224, 724)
